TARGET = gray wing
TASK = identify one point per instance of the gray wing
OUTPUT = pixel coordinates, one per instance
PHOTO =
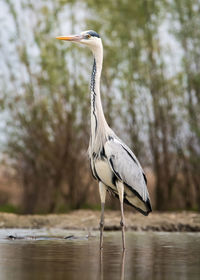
(126, 167)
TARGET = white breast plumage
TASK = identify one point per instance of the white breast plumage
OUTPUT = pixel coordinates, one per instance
(104, 172)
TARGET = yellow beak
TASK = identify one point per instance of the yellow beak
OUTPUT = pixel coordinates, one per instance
(73, 38)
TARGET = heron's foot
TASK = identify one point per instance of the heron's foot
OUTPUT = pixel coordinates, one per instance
(123, 242)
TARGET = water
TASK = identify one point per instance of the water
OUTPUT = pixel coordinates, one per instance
(148, 256)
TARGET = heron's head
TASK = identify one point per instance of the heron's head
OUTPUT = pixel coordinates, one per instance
(89, 38)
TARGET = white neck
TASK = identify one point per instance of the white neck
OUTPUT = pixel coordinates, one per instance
(99, 125)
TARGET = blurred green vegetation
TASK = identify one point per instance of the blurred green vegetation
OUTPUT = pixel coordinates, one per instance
(150, 92)
(8, 208)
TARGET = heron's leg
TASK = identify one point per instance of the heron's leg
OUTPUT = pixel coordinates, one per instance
(120, 188)
(102, 192)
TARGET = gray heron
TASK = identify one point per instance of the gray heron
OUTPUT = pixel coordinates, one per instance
(112, 162)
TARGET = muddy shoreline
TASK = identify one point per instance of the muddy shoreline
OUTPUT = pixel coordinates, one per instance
(89, 220)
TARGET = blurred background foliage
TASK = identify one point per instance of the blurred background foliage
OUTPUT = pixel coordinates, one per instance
(150, 93)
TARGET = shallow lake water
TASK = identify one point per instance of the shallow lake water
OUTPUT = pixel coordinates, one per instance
(45, 254)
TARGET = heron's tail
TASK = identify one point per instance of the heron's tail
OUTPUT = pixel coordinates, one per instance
(141, 206)
(133, 199)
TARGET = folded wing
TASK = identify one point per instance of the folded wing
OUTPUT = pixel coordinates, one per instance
(127, 169)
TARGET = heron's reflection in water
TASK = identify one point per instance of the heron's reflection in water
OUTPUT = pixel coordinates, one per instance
(101, 264)
(122, 264)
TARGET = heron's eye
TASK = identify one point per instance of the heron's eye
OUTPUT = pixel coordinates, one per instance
(88, 36)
